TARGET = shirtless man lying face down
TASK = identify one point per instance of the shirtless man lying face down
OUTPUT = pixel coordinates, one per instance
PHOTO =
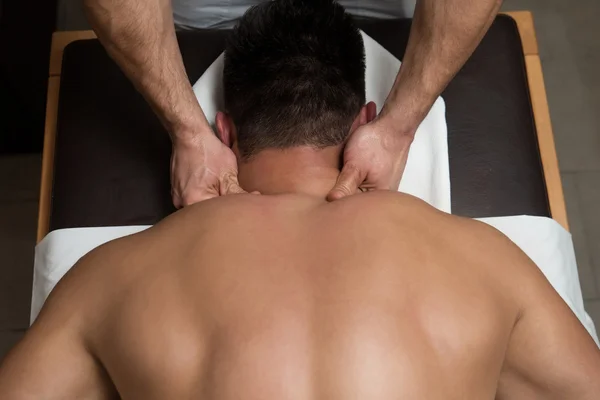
(286, 296)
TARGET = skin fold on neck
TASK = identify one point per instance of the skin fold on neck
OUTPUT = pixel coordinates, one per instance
(299, 170)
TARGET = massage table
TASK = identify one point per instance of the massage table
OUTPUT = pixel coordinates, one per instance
(485, 150)
(106, 156)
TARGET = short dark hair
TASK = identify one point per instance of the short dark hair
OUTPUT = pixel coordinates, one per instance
(294, 75)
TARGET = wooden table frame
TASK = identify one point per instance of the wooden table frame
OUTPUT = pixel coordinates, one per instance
(537, 92)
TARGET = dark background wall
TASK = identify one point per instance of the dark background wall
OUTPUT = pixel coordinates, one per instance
(26, 28)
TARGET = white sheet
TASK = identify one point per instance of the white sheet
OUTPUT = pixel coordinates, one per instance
(427, 173)
(542, 239)
(550, 247)
(60, 250)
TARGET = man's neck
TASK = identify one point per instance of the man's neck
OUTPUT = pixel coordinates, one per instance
(298, 170)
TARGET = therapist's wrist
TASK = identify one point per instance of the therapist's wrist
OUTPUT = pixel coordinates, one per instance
(190, 134)
(398, 124)
(408, 103)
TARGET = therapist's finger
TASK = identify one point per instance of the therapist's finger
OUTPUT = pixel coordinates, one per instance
(347, 183)
(177, 202)
(230, 185)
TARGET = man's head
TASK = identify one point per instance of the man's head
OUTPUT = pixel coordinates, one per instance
(294, 76)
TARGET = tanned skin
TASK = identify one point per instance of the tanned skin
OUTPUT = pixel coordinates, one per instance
(287, 296)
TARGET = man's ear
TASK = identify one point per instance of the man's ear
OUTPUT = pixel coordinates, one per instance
(225, 129)
(367, 113)
(370, 111)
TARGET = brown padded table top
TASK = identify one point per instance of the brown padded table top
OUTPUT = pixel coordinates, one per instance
(111, 163)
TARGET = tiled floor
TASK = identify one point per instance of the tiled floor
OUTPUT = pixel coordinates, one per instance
(569, 40)
(19, 192)
(569, 45)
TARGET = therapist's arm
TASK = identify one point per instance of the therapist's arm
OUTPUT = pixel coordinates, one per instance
(443, 35)
(140, 36)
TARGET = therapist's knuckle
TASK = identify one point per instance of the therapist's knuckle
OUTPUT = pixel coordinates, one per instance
(229, 184)
(345, 188)
(352, 169)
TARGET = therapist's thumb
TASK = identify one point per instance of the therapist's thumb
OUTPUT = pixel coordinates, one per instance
(347, 182)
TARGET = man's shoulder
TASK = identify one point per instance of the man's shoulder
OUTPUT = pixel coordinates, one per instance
(465, 231)
(407, 207)
(389, 201)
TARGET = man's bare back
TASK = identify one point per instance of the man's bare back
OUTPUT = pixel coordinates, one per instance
(377, 296)
(287, 296)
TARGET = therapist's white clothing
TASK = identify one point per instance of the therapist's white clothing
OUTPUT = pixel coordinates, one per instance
(222, 14)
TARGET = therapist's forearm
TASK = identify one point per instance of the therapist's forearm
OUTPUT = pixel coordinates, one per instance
(140, 36)
(444, 34)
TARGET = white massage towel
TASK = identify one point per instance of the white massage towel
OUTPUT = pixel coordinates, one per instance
(542, 239)
(427, 173)
(550, 247)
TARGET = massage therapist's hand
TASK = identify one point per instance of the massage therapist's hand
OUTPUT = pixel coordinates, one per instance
(202, 168)
(374, 158)
(443, 35)
(140, 36)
